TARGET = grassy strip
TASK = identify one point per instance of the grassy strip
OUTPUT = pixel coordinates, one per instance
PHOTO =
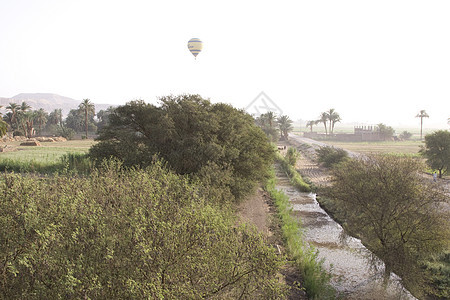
(295, 178)
(70, 162)
(316, 279)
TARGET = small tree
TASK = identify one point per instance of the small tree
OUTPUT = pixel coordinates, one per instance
(311, 123)
(394, 211)
(386, 132)
(285, 126)
(405, 135)
(330, 156)
(437, 151)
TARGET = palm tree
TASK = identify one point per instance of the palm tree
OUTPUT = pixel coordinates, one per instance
(40, 116)
(13, 107)
(3, 126)
(323, 118)
(55, 117)
(25, 120)
(24, 107)
(310, 124)
(422, 114)
(333, 117)
(285, 125)
(88, 108)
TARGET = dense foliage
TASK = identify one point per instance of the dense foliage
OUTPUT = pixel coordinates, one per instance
(139, 234)
(192, 136)
(329, 156)
(386, 202)
(288, 165)
(437, 151)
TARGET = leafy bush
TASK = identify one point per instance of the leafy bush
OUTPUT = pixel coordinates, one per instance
(330, 156)
(295, 178)
(292, 155)
(65, 132)
(405, 135)
(138, 234)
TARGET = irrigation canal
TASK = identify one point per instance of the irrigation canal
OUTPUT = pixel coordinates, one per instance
(356, 272)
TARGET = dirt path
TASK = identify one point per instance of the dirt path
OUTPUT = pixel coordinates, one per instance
(258, 209)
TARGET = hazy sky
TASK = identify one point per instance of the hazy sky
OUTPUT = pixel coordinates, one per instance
(373, 61)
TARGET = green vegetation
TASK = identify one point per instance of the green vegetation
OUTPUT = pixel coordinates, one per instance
(295, 178)
(384, 201)
(269, 124)
(330, 156)
(437, 151)
(47, 158)
(193, 136)
(400, 147)
(405, 135)
(121, 234)
(316, 280)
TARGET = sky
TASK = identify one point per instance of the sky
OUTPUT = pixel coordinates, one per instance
(372, 61)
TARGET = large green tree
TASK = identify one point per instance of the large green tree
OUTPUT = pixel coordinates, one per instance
(437, 151)
(191, 135)
(387, 203)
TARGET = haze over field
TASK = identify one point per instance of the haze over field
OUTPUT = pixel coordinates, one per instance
(373, 61)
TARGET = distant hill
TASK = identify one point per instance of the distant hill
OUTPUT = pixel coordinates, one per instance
(49, 102)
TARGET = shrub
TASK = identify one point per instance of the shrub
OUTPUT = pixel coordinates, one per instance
(405, 135)
(295, 178)
(330, 156)
(292, 155)
(124, 235)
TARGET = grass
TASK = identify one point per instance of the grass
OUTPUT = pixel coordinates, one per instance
(316, 280)
(47, 158)
(47, 152)
(400, 147)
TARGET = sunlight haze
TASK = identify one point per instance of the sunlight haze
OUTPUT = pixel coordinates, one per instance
(372, 61)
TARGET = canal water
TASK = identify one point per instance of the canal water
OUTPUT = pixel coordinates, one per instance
(356, 272)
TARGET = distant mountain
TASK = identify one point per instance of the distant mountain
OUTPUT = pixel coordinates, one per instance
(49, 102)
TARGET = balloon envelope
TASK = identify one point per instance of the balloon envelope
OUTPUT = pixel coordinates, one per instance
(195, 46)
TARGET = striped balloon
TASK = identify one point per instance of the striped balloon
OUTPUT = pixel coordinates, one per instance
(195, 46)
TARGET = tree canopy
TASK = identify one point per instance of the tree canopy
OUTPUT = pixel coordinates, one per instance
(387, 203)
(191, 135)
(437, 151)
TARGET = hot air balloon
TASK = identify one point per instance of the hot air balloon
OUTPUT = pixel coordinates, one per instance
(195, 46)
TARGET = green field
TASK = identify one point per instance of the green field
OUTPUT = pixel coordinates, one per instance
(403, 147)
(47, 152)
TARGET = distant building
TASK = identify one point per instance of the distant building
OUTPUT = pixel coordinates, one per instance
(360, 134)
